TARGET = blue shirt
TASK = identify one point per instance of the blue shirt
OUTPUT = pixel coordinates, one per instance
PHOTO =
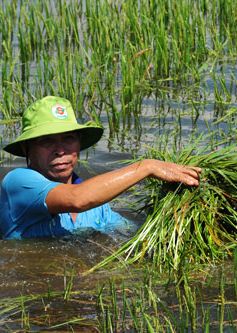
(24, 213)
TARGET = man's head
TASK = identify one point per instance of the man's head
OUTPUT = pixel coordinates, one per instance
(52, 115)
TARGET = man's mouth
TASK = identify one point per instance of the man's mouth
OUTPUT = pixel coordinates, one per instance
(60, 166)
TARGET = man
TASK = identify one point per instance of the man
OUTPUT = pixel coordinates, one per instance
(46, 199)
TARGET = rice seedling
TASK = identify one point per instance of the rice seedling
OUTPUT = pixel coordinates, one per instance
(106, 57)
(153, 305)
(48, 311)
(155, 40)
(25, 320)
(68, 284)
(148, 303)
(187, 224)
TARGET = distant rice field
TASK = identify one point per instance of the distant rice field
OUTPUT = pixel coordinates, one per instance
(112, 59)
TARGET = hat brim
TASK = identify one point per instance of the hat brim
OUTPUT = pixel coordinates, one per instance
(89, 135)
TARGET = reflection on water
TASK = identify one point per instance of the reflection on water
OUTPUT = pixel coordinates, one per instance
(36, 274)
(36, 267)
(31, 265)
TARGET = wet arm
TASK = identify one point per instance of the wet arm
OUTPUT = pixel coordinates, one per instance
(103, 188)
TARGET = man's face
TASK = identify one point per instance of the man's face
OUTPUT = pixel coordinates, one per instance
(55, 156)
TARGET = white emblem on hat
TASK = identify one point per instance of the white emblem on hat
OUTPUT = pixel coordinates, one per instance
(59, 111)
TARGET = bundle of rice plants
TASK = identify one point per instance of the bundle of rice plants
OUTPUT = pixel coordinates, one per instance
(187, 224)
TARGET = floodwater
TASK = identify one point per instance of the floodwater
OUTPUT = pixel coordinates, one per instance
(31, 267)
(31, 264)
(40, 266)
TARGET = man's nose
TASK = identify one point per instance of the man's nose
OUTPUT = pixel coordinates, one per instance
(59, 148)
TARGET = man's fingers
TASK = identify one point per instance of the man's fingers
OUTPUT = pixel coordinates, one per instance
(197, 169)
(190, 175)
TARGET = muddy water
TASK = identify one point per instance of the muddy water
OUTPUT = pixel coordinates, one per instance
(36, 267)
(32, 265)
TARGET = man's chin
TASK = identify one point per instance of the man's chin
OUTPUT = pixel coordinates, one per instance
(62, 177)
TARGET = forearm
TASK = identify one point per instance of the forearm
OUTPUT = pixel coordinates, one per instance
(105, 187)
(96, 190)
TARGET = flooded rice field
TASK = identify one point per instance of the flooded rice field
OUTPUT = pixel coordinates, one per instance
(161, 77)
(43, 285)
(43, 290)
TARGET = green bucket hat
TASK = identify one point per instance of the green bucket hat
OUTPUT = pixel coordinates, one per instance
(52, 115)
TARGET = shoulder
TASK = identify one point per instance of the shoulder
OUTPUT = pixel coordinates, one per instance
(25, 177)
(17, 172)
(21, 174)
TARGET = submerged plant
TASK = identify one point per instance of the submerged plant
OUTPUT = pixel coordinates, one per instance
(157, 305)
(187, 224)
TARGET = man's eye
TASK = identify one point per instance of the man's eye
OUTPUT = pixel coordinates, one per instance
(45, 142)
(70, 137)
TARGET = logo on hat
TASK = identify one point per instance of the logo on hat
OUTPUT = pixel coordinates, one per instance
(59, 111)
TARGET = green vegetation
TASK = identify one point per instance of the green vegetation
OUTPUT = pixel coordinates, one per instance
(161, 306)
(187, 224)
(109, 60)
(145, 301)
(172, 63)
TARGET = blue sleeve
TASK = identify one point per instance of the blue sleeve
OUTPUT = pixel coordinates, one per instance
(24, 212)
(26, 189)
(23, 195)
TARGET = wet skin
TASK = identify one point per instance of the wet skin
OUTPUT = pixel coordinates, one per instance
(56, 155)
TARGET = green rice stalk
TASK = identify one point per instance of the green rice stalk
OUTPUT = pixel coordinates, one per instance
(187, 224)
(133, 49)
